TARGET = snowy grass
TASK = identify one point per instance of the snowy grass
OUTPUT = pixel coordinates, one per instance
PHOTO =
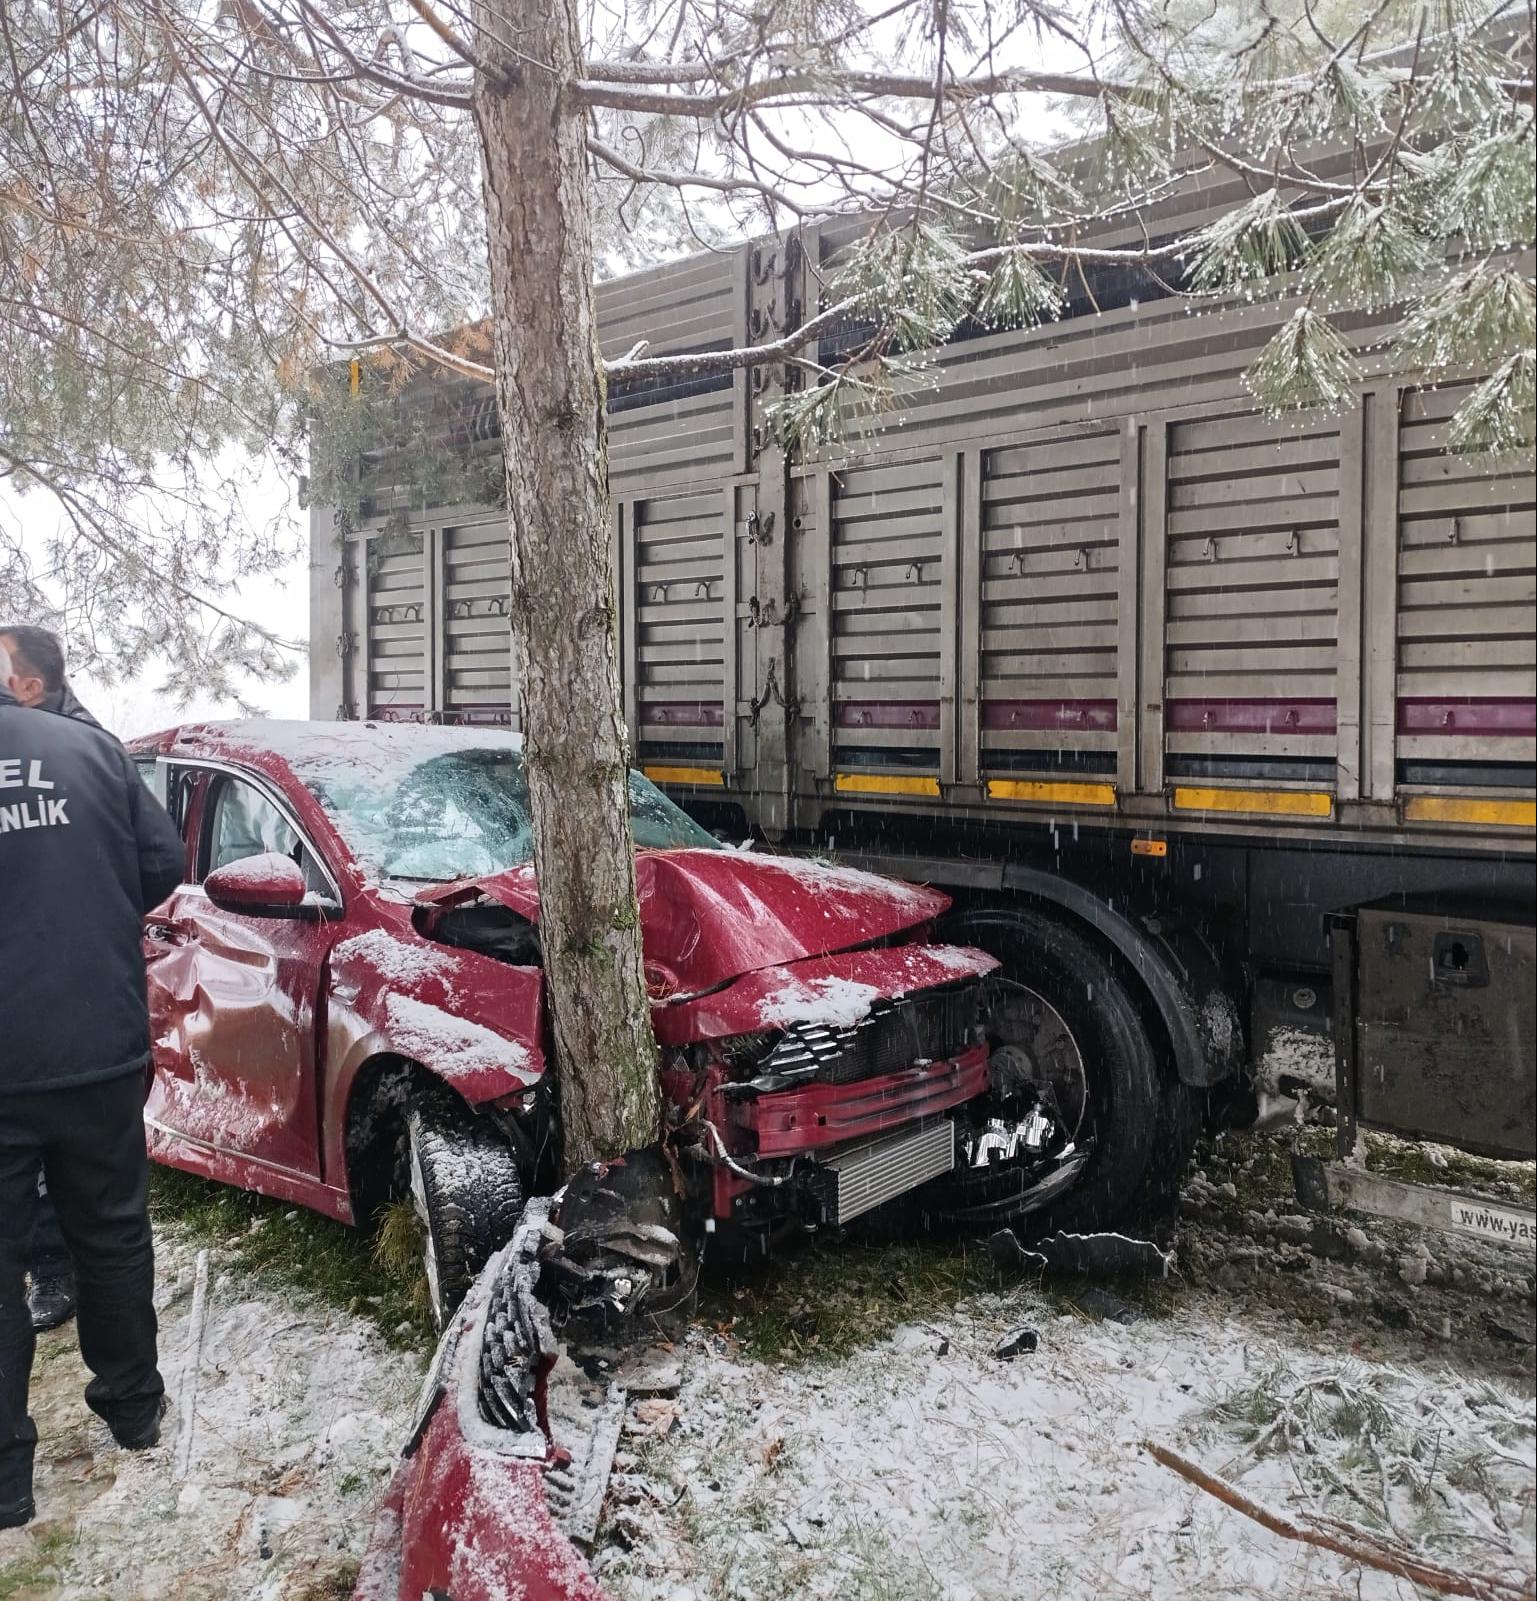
(1435, 1461)
(23, 1576)
(924, 1468)
(344, 1267)
(286, 1417)
(830, 1299)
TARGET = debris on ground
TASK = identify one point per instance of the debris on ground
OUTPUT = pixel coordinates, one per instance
(1020, 1343)
(1082, 1253)
(1106, 1306)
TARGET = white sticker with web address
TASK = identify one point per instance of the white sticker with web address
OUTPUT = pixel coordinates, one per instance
(1493, 1222)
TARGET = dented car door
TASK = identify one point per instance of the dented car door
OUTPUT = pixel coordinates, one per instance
(234, 995)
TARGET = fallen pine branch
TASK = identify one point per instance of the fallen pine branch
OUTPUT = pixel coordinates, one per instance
(1347, 1539)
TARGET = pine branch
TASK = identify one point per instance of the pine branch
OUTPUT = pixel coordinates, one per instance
(1348, 1540)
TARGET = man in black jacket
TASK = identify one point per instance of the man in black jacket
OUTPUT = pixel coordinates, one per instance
(85, 851)
(38, 681)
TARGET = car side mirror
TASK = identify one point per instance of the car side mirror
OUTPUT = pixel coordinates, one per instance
(268, 885)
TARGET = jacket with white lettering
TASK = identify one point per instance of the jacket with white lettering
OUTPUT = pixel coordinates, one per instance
(85, 851)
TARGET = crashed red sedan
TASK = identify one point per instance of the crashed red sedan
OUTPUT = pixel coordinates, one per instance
(348, 1003)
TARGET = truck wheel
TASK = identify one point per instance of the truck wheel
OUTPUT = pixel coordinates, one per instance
(1112, 1129)
(467, 1192)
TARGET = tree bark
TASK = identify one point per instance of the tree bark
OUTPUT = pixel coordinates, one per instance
(550, 395)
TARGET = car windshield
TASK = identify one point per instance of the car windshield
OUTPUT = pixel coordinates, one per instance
(465, 814)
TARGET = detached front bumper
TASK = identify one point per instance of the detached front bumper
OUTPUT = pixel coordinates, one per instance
(467, 1516)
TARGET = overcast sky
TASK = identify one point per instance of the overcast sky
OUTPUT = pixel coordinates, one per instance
(280, 602)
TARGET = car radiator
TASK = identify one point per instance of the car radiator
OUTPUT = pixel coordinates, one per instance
(861, 1177)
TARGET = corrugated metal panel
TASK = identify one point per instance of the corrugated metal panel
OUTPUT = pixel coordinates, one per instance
(679, 555)
(1133, 359)
(887, 582)
(1049, 598)
(479, 683)
(392, 567)
(1467, 579)
(680, 306)
(674, 440)
(689, 305)
(1252, 585)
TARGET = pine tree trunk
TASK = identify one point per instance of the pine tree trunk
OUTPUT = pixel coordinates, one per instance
(550, 396)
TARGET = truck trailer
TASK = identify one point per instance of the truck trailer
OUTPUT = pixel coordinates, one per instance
(1219, 727)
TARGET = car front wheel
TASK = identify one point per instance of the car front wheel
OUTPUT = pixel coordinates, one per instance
(467, 1194)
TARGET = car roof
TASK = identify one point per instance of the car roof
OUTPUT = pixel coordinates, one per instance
(314, 749)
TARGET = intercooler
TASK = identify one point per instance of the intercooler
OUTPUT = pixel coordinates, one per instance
(861, 1177)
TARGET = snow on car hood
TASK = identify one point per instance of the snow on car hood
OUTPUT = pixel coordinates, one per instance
(710, 916)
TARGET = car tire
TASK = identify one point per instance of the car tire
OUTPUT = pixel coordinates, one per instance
(1144, 1121)
(467, 1192)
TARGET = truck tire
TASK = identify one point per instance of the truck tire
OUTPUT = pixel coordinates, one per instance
(467, 1192)
(1137, 1120)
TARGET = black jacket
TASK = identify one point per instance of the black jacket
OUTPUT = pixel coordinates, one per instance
(66, 703)
(85, 851)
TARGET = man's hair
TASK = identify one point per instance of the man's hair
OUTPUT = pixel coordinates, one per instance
(36, 651)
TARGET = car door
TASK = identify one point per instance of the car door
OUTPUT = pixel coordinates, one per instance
(234, 995)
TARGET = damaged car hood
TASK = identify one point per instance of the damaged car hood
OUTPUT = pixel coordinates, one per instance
(710, 916)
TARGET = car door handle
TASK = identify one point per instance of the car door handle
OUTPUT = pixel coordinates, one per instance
(160, 932)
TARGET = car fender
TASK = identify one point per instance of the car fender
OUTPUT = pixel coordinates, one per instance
(471, 1021)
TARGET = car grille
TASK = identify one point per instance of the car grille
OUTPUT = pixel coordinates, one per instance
(930, 1026)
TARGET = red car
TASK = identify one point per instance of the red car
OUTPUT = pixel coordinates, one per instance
(347, 1001)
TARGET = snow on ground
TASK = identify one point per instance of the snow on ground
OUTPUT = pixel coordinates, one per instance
(297, 1414)
(922, 1468)
(928, 1469)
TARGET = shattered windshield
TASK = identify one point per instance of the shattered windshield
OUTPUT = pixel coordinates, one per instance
(465, 814)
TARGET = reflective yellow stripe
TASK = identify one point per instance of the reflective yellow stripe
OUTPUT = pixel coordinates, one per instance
(1030, 789)
(885, 784)
(1465, 809)
(1274, 802)
(687, 775)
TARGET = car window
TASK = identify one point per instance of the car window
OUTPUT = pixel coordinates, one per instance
(180, 783)
(245, 823)
(466, 813)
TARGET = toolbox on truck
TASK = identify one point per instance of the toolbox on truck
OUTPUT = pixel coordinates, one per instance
(1434, 1024)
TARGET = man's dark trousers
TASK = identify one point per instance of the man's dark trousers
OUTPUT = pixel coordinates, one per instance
(50, 1255)
(89, 1141)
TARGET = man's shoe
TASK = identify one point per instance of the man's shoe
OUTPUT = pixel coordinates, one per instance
(142, 1436)
(51, 1302)
(13, 1514)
